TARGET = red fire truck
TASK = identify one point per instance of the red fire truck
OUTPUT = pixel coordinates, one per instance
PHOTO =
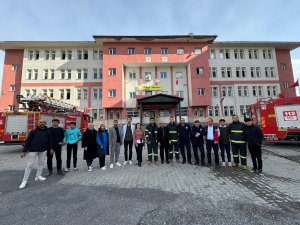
(15, 126)
(278, 118)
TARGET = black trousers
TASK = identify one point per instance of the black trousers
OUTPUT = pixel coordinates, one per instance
(126, 145)
(182, 146)
(239, 150)
(255, 151)
(102, 160)
(70, 148)
(173, 147)
(200, 146)
(164, 151)
(89, 162)
(211, 145)
(139, 152)
(57, 152)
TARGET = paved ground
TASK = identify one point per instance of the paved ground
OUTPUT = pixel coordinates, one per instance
(164, 194)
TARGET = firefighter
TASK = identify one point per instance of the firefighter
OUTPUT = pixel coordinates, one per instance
(254, 138)
(173, 136)
(197, 137)
(151, 137)
(237, 139)
(184, 131)
(224, 142)
(212, 140)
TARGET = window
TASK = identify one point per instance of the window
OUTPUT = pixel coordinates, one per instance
(198, 51)
(213, 72)
(255, 53)
(286, 84)
(240, 72)
(216, 110)
(11, 108)
(95, 93)
(112, 51)
(199, 70)
(250, 53)
(85, 54)
(79, 75)
(29, 74)
(214, 92)
(270, 56)
(201, 91)
(179, 94)
(267, 71)
(100, 73)
(148, 76)
(231, 110)
(132, 75)
(148, 93)
(112, 93)
(132, 95)
(69, 54)
(210, 111)
(118, 115)
(62, 74)
(36, 55)
(223, 72)
(240, 93)
(242, 109)
(274, 89)
(212, 54)
(228, 72)
(94, 113)
(85, 93)
(254, 91)
(272, 72)
(229, 91)
(180, 51)
(239, 53)
(221, 55)
(164, 113)
(246, 91)
(85, 74)
(45, 75)
(224, 91)
(163, 75)
(132, 112)
(164, 51)
(27, 92)
(69, 74)
(96, 55)
(95, 73)
(47, 54)
(51, 93)
(36, 72)
(30, 55)
(13, 88)
(131, 51)
(112, 71)
(79, 54)
(227, 54)
(33, 91)
(61, 93)
(237, 72)
(63, 54)
(260, 91)
(68, 91)
(78, 93)
(178, 75)
(226, 111)
(111, 114)
(52, 74)
(257, 71)
(198, 112)
(269, 90)
(147, 51)
(101, 114)
(53, 54)
(252, 72)
(283, 66)
(44, 91)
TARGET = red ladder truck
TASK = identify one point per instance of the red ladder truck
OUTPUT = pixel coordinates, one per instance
(278, 118)
(15, 126)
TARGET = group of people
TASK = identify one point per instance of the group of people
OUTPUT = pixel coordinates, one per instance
(169, 139)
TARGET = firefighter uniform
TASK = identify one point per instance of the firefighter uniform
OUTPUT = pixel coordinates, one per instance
(173, 138)
(238, 144)
(184, 142)
(151, 137)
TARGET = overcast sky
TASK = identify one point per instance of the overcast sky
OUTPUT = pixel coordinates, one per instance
(76, 20)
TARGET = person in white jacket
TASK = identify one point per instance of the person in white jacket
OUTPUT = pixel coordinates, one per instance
(128, 130)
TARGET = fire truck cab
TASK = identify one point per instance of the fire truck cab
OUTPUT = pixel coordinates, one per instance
(278, 118)
(15, 126)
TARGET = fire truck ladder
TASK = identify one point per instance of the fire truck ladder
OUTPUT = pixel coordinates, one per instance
(45, 103)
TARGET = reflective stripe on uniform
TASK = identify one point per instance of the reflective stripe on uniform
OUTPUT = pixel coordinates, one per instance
(155, 131)
(150, 154)
(237, 131)
(173, 132)
(170, 152)
(176, 152)
(235, 156)
(155, 154)
(241, 142)
(173, 140)
(243, 157)
(146, 130)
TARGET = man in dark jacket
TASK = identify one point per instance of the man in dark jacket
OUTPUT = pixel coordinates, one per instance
(37, 143)
(173, 134)
(163, 142)
(197, 138)
(57, 134)
(151, 137)
(237, 138)
(254, 138)
(212, 141)
(184, 131)
(224, 142)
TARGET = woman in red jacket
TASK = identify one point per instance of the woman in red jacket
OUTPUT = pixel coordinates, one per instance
(139, 141)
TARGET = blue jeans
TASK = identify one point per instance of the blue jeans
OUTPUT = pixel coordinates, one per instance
(223, 148)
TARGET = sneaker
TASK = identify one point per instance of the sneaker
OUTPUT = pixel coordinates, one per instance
(130, 162)
(259, 172)
(23, 184)
(125, 163)
(67, 170)
(244, 167)
(111, 166)
(90, 169)
(103, 168)
(223, 164)
(229, 164)
(253, 170)
(40, 178)
(118, 164)
(75, 169)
